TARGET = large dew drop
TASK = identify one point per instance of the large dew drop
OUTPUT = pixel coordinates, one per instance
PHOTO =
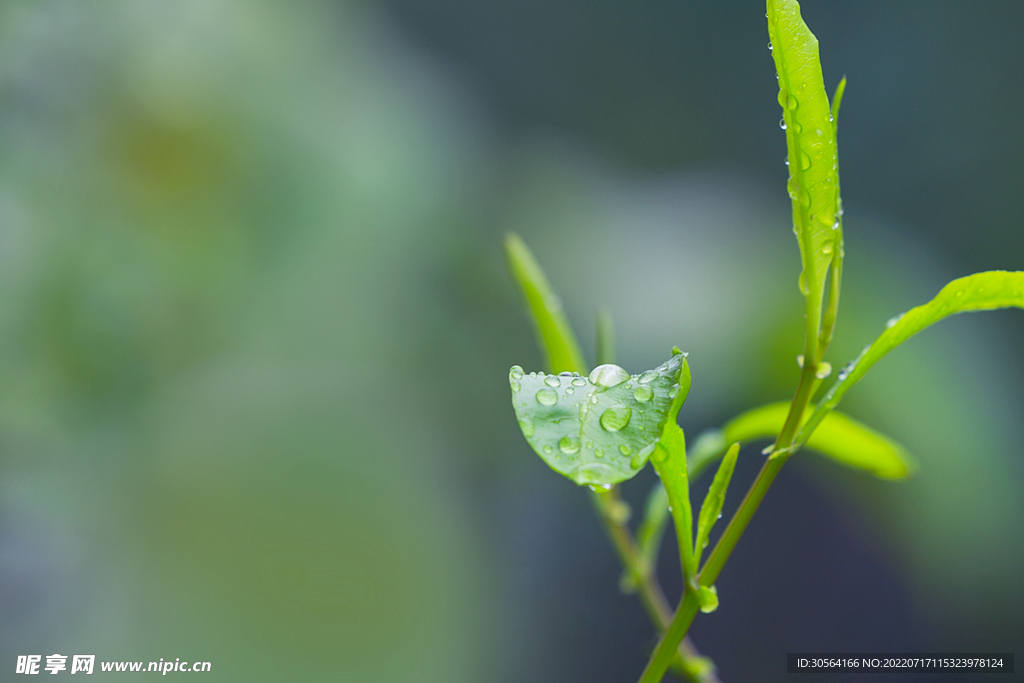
(552, 381)
(547, 396)
(608, 375)
(643, 394)
(616, 418)
(569, 445)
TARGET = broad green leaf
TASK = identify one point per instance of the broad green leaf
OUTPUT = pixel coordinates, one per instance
(711, 509)
(598, 430)
(978, 292)
(670, 462)
(811, 146)
(553, 330)
(708, 597)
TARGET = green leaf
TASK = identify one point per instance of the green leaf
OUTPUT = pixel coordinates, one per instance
(711, 509)
(598, 430)
(670, 462)
(811, 145)
(978, 292)
(708, 598)
(828, 322)
(838, 437)
(553, 330)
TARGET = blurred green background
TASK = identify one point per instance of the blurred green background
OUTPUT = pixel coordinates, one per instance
(255, 328)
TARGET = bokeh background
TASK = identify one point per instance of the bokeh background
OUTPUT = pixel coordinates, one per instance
(255, 328)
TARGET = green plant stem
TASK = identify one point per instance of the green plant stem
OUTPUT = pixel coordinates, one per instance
(662, 656)
(698, 668)
(676, 631)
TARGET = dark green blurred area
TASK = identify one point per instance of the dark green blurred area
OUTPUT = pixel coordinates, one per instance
(255, 328)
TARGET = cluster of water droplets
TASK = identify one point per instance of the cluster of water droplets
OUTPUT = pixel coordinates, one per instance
(612, 420)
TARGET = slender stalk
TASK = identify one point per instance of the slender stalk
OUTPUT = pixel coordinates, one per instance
(666, 648)
(696, 667)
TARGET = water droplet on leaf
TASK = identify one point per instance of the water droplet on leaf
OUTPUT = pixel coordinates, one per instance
(547, 397)
(569, 445)
(553, 381)
(616, 418)
(608, 375)
(643, 394)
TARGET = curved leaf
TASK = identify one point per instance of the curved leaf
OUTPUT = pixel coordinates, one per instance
(600, 429)
(670, 463)
(839, 437)
(811, 146)
(978, 292)
(711, 508)
(556, 337)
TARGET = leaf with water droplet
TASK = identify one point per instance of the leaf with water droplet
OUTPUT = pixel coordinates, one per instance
(711, 509)
(811, 141)
(979, 292)
(618, 428)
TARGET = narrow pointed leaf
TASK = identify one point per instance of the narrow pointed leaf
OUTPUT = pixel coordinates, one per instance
(811, 146)
(711, 509)
(838, 437)
(828, 322)
(670, 462)
(978, 292)
(601, 429)
(553, 330)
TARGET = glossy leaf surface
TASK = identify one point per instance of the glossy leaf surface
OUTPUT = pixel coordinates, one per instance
(598, 429)
(811, 147)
